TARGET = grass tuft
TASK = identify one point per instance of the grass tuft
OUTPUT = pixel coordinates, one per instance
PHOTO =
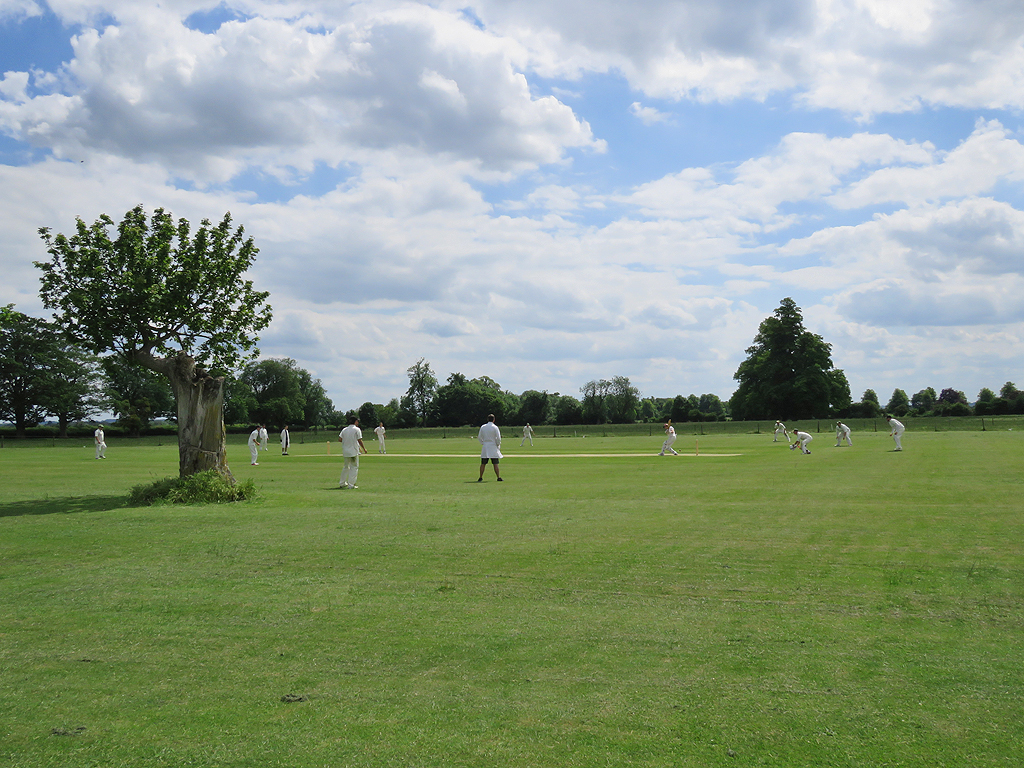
(208, 487)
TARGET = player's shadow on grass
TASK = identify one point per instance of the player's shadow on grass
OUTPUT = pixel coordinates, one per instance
(67, 505)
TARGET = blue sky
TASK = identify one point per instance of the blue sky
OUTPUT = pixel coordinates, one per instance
(548, 193)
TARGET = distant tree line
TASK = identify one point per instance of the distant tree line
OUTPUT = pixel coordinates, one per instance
(44, 375)
(788, 374)
(461, 401)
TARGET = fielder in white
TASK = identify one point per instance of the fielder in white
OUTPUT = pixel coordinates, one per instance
(101, 446)
(801, 439)
(527, 435)
(264, 437)
(780, 427)
(842, 433)
(670, 437)
(490, 447)
(379, 431)
(351, 439)
(286, 440)
(254, 446)
(897, 431)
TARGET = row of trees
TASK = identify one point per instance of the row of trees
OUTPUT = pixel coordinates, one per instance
(45, 375)
(788, 374)
(461, 401)
(277, 392)
(948, 402)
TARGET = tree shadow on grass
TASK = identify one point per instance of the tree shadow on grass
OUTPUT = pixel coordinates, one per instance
(67, 505)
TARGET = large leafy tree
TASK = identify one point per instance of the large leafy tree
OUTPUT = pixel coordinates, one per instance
(173, 300)
(533, 406)
(922, 402)
(422, 388)
(277, 397)
(75, 393)
(567, 410)
(899, 403)
(469, 401)
(623, 401)
(318, 407)
(788, 373)
(595, 401)
(28, 350)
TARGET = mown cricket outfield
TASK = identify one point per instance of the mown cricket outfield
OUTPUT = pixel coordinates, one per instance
(603, 606)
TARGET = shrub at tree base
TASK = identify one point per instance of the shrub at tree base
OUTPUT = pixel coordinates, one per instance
(201, 488)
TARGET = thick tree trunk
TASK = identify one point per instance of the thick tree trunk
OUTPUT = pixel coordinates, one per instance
(202, 442)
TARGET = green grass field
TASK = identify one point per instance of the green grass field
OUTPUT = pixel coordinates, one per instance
(601, 607)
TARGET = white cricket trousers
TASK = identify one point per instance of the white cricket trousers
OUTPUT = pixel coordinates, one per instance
(667, 445)
(349, 471)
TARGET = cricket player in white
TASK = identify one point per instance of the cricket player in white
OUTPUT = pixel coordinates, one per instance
(527, 435)
(780, 427)
(490, 447)
(670, 437)
(801, 439)
(842, 433)
(351, 439)
(254, 446)
(264, 437)
(286, 440)
(101, 446)
(379, 432)
(897, 431)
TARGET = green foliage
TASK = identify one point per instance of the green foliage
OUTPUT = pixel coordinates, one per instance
(867, 408)
(208, 487)
(788, 372)
(461, 401)
(899, 403)
(28, 350)
(924, 401)
(318, 406)
(156, 287)
(422, 388)
(680, 408)
(567, 410)
(135, 394)
(277, 397)
(616, 401)
(595, 393)
(533, 407)
(623, 401)
(75, 392)
(368, 416)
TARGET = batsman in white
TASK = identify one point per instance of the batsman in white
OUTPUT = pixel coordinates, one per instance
(670, 437)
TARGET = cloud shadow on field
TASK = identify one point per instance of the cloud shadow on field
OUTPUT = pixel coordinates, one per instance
(66, 505)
